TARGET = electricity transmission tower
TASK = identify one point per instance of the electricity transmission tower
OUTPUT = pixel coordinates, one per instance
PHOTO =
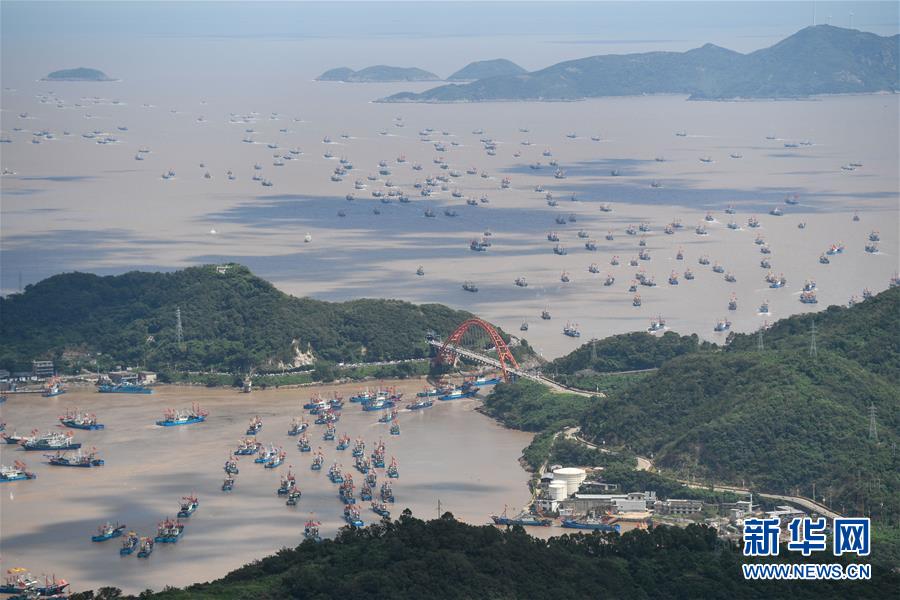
(759, 340)
(179, 330)
(873, 426)
(813, 351)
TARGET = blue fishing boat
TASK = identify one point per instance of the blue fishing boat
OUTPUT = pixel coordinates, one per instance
(85, 461)
(131, 543)
(590, 524)
(351, 515)
(17, 472)
(481, 381)
(276, 460)
(173, 417)
(255, 426)
(228, 484)
(108, 531)
(79, 420)
(169, 532)
(395, 428)
(379, 404)
(189, 505)
(123, 388)
(421, 403)
(146, 547)
(466, 390)
(381, 509)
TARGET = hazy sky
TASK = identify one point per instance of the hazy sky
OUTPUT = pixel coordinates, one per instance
(614, 20)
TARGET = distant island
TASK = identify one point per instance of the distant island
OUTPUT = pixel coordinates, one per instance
(79, 74)
(816, 60)
(482, 69)
(377, 74)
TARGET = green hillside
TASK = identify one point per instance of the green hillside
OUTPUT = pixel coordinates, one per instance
(443, 558)
(232, 321)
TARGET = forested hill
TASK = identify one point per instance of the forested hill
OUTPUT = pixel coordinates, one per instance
(815, 60)
(232, 321)
(445, 559)
(778, 419)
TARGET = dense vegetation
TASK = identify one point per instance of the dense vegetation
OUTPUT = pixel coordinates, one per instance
(816, 60)
(626, 352)
(444, 558)
(233, 321)
(779, 420)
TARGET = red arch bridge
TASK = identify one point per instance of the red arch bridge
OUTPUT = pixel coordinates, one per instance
(450, 350)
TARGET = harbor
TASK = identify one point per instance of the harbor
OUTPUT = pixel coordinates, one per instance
(151, 472)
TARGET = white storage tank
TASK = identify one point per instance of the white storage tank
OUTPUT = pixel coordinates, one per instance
(572, 476)
(558, 490)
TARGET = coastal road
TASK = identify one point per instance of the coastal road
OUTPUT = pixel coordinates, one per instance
(645, 464)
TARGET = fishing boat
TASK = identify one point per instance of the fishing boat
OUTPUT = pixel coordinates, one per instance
(17, 472)
(293, 496)
(636, 301)
(255, 425)
(351, 515)
(466, 390)
(297, 427)
(523, 519)
(764, 308)
(422, 402)
(335, 474)
(381, 509)
(124, 387)
(343, 442)
(172, 417)
(329, 434)
(732, 303)
(146, 547)
(86, 461)
(53, 389)
(311, 530)
(108, 531)
(395, 428)
(79, 420)
(231, 467)
(247, 447)
(188, 506)
(779, 282)
(688, 274)
(571, 330)
(380, 403)
(590, 524)
(303, 444)
(228, 484)
(808, 297)
(393, 470)
(287, 482)
(131, 543)
(169, 531)
(722, 325)
(387, 492)
(50, 441)
(673, 278)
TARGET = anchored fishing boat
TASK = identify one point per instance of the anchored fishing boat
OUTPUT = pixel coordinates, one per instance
(169, 531)
(80, 420)
(17, 472)
(395, 428)
(247, 447)
(188, 506)
(293, 496)
(87, 460)
(124, 387)
(466, 390)
(303, 444)
(387, 492)
(381, 509)
(231, 467)
(255, 425)
(51, 441)
(107, 531)
(52, 389)
(522, 519)
(228, 484)
(393, 470)
(146, 547)
(343, 442)
(287, 482)
(172, 417)
(311, 530)
(276, 460)
(131, 543)
(351, 515)
(590, 524)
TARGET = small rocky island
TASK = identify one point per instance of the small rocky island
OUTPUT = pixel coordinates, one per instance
(79, 74)
(377, 74)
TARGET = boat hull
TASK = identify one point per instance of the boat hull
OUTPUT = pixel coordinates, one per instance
(190, 421)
